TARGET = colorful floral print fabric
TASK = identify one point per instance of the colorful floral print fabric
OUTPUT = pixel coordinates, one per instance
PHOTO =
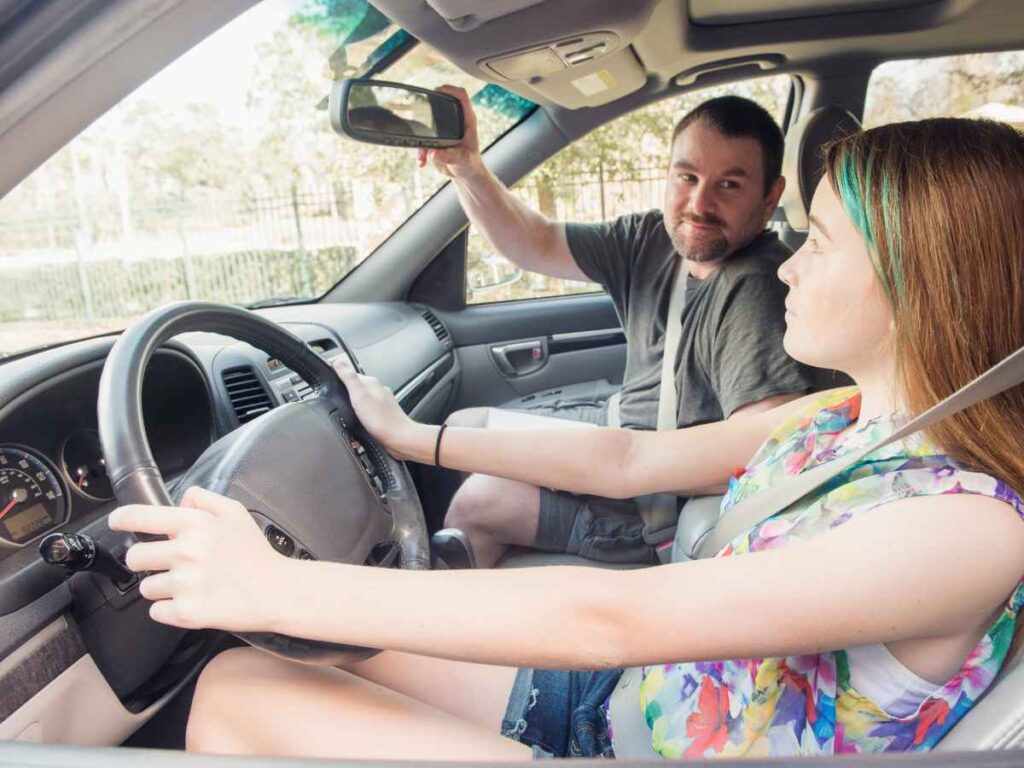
(805, 705)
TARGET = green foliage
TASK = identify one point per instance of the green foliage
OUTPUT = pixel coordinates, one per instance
(347, 21)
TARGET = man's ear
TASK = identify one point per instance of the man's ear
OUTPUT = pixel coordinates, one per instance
(771, 201)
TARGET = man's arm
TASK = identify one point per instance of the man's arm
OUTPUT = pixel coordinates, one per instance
(764, 405)
(522, 235)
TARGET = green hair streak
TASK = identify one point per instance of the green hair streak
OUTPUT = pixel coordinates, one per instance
(855, 195)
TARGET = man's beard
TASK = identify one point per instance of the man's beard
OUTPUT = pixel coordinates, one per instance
(715, 249)
(707, 251)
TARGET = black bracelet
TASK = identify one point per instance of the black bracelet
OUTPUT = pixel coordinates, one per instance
(437, 445)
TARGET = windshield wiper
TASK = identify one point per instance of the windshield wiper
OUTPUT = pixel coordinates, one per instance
(277, 301)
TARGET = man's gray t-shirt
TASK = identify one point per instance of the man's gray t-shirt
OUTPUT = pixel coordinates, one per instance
(730, 354)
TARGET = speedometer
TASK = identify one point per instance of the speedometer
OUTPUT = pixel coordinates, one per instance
(32, 499)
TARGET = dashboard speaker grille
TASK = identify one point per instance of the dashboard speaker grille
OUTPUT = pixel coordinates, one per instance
(247, 395)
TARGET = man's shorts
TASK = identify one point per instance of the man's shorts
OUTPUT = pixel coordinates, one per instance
(608, 530)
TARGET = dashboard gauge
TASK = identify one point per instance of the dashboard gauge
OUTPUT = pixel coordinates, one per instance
(32, 499)
(84, 466)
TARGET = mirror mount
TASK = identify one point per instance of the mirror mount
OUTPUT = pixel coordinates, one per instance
(396, 115)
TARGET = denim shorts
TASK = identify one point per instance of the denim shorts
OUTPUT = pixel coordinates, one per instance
(606, 530)
(561, 714)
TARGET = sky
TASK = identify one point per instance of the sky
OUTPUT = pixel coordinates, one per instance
(230, 53)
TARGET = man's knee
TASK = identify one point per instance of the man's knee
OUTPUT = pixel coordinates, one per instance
(475, 505)
(468, 417)
(503, 509)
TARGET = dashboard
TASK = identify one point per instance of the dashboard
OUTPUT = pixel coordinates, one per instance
(198, 388)
(52, 471)
(51, 463)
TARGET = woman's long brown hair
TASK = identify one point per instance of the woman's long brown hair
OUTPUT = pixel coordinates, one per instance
(941, 205)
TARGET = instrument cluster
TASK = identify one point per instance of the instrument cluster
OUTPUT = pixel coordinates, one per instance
(37, 493)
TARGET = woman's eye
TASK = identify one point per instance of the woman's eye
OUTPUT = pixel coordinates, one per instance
(813, 244)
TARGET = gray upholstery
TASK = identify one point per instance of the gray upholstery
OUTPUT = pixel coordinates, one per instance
(995, 722)
(520, 557)
(802, 162)
(696, 519)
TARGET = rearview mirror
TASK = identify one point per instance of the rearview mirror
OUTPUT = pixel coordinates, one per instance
(397, 115)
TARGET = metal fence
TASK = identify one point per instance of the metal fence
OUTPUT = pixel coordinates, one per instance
(583, 197)
(74, 266)
(104, 260)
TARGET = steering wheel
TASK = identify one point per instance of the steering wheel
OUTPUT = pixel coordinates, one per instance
(296, 467)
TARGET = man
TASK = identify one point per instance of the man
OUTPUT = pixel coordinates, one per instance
(723, 186)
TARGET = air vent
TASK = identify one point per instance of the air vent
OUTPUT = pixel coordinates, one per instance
(247, 395)
(438, 327)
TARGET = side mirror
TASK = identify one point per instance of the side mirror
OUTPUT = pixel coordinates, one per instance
(397, 115)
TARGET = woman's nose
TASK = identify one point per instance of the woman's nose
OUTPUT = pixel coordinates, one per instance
(787, 271)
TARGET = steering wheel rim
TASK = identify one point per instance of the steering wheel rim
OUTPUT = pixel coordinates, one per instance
(136, 479)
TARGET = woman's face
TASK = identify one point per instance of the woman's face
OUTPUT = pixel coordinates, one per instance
(837, 314)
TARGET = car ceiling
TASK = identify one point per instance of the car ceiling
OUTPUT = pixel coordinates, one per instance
(654, 41)
(616, 55)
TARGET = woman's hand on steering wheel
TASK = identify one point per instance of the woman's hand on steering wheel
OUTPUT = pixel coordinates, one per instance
(382, 416)
(215, 569)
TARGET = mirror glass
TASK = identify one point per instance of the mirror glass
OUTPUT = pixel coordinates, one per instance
(400, 112)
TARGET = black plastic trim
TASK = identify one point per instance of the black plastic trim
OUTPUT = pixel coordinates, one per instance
(22, 624)
(574, 342)
(486, 323)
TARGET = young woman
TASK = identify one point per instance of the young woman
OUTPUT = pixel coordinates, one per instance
(869, 616)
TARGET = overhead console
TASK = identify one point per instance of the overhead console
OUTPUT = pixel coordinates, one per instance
(585, 59)
(576, 71)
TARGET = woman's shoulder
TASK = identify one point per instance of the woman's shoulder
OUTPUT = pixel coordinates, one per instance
(793, 428)
(953, 486)
(831, 409)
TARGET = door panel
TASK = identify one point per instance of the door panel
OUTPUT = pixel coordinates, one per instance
(516, 349)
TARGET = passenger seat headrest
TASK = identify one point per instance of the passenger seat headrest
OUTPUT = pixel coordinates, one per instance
(802, 163)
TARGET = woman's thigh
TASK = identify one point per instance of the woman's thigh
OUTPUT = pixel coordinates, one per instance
(251, 703)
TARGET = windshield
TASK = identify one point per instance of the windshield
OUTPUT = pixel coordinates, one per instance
(221, 178)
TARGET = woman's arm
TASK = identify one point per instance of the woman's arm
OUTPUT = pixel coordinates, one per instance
(614, 463)
(918, 568)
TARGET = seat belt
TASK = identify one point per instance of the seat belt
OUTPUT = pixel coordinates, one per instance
(762, 505)
(659, 511)
(632, 737)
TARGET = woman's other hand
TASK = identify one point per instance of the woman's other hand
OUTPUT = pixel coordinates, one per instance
(215, 569)
(380, 414)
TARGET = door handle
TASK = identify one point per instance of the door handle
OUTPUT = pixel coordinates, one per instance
(520, 358)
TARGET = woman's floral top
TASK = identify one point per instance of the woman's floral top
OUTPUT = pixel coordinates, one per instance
(804, 705)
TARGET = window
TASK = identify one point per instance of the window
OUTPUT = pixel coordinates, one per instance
(617, 169)
(987, 85)
(221, 179)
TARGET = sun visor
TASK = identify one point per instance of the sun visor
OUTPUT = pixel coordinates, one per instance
(464, 15)
(716, 13)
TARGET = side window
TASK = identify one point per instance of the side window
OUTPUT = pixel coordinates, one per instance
(617, 169)
(984, 85)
